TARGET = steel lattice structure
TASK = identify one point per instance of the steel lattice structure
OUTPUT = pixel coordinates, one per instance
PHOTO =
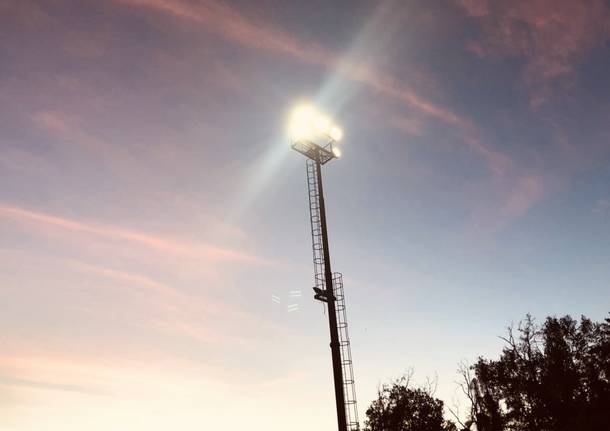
(328, 286)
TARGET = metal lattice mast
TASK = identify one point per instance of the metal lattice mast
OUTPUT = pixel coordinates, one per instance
(316, 137)
(349, 386)
(325, 282)
(316, 228)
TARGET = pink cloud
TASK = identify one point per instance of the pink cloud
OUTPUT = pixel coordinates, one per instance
(552, 36)
(129, 373)
(252, 32)
(475, 7)
(224, 21)
(124, 276)
(67, 128)
(412, 125)
(389, 86)
(52, 122)
(230, 24)
(220, 19)
(151, 305)
(497, 162)
(524, 194)
(164, 245)
(36, 370)
(104, 373)
(179, 303)
(506, 199)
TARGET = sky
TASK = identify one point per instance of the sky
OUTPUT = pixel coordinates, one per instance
(150, 205)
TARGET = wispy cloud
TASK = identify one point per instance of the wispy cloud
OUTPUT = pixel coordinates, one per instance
(220, 19)
(31, 369)
(52, 121)
(411, 125)
(253, 32)
(171, 307)
(552, 36)
(526, 192)
(182, 314)
(41, 384)
(161, 244)
(122, 276)
(511, 199)
(154, 306)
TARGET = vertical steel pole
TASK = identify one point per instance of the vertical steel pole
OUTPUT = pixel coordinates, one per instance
(332, 312)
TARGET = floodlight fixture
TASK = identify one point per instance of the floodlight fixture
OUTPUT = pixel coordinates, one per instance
(335, 133)
(314, 134)
(301, 122)
(322, 124)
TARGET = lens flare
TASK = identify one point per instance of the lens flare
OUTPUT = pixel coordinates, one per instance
(307, 123)
(335, 133)
(302, 121)
(322, 124)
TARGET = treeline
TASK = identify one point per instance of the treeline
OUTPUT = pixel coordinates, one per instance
(549, 377)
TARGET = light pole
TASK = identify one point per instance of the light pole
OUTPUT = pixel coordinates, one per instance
(314, 136)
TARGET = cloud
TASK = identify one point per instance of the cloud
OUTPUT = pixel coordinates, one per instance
(551, 36)
(161, 244)
(476, 8)
(411, 125)
(31, 369)
(226, 22)
(149, 321)
(68, 128)
(182, 314)
(161, 310)
(52, 121)
(123, 276)
(220, 19)
(524, 194)
(104, 373)
(497, 162)
(389, 86)
(40, 384)
(549, 39)
(165, 300)
(507, 199)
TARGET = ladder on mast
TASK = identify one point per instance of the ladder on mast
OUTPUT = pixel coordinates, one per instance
(349, 388)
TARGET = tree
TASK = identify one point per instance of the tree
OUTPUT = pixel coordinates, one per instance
(553, 377)
(399, 407)
(549, 377)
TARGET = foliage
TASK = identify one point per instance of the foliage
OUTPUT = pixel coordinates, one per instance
(549, 377)
(402, 408)
(553, 377)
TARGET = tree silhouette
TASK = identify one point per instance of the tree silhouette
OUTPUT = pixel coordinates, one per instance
(399, 407)
(549, 377)
(552, 377)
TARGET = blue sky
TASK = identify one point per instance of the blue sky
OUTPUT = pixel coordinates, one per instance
(150, 204)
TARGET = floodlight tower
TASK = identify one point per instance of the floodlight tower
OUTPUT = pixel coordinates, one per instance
(314, 136)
